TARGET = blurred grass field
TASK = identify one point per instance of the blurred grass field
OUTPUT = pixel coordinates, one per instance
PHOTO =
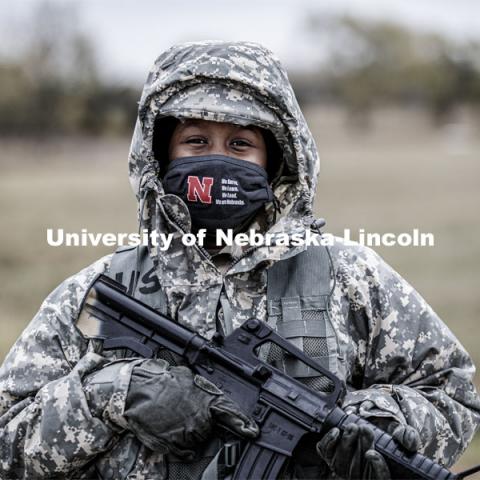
(399, 175)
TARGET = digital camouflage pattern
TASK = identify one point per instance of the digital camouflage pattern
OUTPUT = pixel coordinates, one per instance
(392, 349)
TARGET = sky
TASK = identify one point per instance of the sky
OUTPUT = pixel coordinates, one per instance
(129, 34)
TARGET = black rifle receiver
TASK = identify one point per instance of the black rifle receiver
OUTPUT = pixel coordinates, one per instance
(284, 408)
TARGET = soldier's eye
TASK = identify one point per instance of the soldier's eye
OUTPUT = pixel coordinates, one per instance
(240, 143)
(197, 140)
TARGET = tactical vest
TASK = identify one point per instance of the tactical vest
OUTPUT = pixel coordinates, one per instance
(298, 290)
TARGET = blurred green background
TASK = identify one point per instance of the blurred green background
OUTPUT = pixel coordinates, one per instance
(395, 111)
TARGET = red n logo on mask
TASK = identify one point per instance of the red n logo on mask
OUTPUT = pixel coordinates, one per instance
(199, 190)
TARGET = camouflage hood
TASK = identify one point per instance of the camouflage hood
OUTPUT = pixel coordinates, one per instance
(236, 82)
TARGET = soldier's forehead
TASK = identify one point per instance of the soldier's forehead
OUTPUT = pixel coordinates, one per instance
(197, 122)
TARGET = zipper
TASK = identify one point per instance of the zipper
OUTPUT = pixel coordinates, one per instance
(202, 250)
(205, 253)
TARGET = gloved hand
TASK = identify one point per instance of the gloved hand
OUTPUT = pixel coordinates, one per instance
(357, 443)
(170, 408)
(403, 433)
(352, 455)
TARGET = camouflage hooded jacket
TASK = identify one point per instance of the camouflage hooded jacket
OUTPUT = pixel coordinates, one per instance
(390, 347)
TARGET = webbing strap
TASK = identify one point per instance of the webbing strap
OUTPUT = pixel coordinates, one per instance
(298, 290)
(299, 282)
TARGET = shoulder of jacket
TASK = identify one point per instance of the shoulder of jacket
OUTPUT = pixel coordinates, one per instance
(351, 251)
(67, 298)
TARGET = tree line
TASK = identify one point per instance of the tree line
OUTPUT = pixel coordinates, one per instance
(53, 87)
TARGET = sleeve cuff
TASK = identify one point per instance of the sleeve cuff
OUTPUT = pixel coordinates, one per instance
(376, 404)
(107, 390)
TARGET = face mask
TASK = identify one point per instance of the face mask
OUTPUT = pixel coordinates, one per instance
(219, 191)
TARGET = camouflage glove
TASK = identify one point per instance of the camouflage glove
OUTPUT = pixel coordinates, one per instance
(351, 455)
(171, 409)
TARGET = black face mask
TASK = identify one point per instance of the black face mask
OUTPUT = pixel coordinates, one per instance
(219, 191)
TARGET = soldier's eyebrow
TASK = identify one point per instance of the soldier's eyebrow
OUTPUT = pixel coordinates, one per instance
(195, 122)
(251, 128)
(189, 122)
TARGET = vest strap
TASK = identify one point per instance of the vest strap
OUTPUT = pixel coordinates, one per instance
(298, 290)
(307, 273)
(123, 269)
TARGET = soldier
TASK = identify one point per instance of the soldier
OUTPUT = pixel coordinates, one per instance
(213, 111)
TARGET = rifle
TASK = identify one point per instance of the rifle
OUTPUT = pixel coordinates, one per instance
(284, 408)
